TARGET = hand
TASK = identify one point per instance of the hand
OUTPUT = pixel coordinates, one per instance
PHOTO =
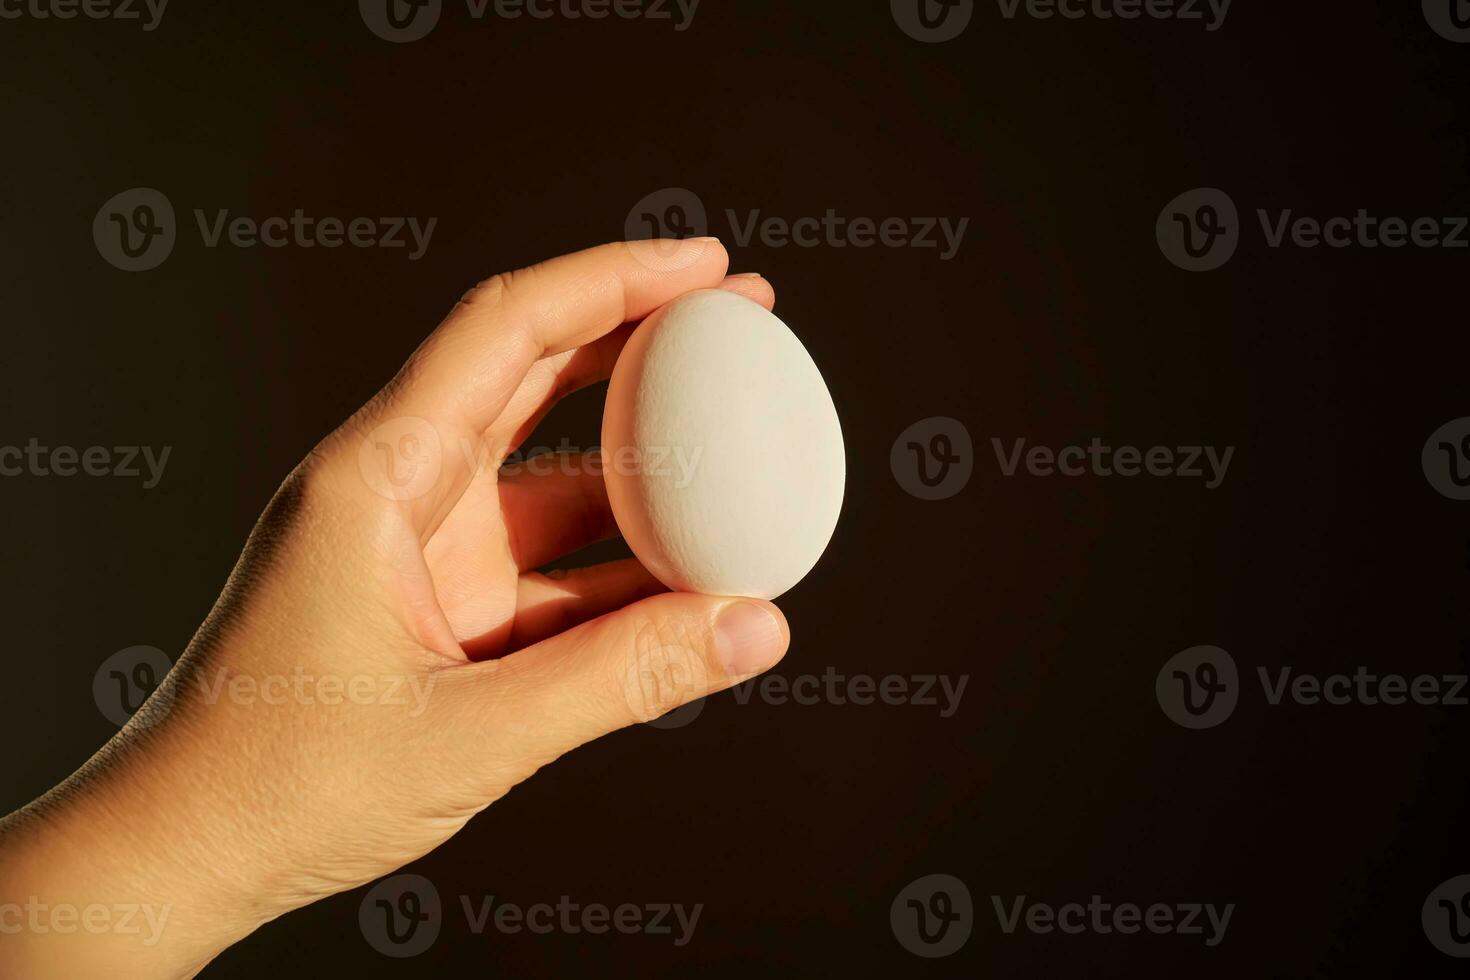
(384, 662)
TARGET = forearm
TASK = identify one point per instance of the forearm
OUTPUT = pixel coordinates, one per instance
(105, 876)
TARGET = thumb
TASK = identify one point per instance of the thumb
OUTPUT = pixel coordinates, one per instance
(630, 666)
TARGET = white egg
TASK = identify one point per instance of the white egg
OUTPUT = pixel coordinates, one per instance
(722, 451)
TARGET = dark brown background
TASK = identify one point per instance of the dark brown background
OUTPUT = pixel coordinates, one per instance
(1059, 320)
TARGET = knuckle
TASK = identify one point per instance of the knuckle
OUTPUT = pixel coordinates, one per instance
(501, 289)
(490, 291)
(311, 485)
(668, 668)
(301, 501)
(507, 296)
(487, 294)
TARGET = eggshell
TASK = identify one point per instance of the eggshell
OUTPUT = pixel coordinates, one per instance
(722, 452)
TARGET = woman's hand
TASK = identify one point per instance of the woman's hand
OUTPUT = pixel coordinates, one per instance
(384, 661)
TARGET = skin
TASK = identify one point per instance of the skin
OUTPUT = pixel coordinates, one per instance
(443, 669)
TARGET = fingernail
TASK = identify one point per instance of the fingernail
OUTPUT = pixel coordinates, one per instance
(749, 638)
(706, 238)
(745, 275)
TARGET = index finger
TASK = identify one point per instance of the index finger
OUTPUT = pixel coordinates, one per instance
(420, 442)
(467, 370)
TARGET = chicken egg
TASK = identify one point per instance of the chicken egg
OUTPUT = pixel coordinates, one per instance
(722, 452)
